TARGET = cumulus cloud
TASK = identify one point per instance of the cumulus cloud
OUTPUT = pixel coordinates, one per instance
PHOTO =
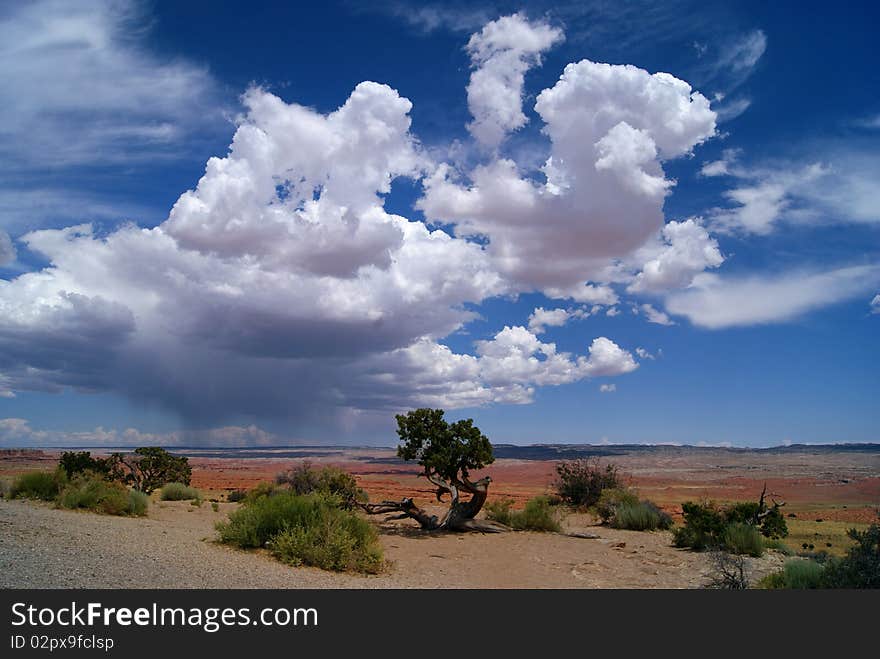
(542, 318)
(501, 53)
(684, 250)
(716, 302)
(607, 388)
(610, 128)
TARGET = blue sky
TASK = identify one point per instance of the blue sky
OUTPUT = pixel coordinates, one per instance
(604, 255)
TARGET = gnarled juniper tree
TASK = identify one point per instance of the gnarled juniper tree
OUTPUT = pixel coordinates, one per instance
(447, 453)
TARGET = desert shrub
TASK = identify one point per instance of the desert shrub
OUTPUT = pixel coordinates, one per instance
(179, 492)
(236, 495)
(610, 499)
(264, 489)
(137, 503)
(330, 538)
(215, 506)
(704, 526)
(499, 511)
(796, 574)
(727, 571)
(305, 479)
(311, 529)
(742, 538)
(860, 568)
(92, 492)
(538, 515)
(640, 516)
(42, 485)
(580, 482)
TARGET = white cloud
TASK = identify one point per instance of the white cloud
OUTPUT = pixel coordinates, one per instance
(77, 86)
(610, 128)
(684, 250)
(644, 354)
(722, 166)
(542, 318)
(607, 388)
(655, 315)
(842, 189)
(501, 53)
(7, 249)
(715, 302)
(875, 304)
(19, 433)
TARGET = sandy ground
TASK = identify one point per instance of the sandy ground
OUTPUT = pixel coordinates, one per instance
(42, 547)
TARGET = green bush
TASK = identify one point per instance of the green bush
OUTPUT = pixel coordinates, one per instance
(78, 462)
(538, 515)
(779, 546)
(305, 479)
(311, 529)
(704, 526)
(860, 568)
(610, 499)
(580, 482)
(179, 492)
(742, 538)
(640, 516)
(329, 538)
(92, 492)
(236, 495)
(796, 574)
(42, 485)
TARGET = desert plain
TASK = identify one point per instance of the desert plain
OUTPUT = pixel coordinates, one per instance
(826, 491)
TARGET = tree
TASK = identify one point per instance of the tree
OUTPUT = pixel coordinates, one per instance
(447, 453)
(149, 468)
(78, 462)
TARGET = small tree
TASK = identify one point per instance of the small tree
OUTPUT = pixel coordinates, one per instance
(149, 468)
(447, 453)
(580, 482)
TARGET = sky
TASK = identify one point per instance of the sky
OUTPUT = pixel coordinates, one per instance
(586, 222)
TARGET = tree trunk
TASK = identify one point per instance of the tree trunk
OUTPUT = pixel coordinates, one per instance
(459, 517)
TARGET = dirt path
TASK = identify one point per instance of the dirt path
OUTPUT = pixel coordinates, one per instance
(41, 547)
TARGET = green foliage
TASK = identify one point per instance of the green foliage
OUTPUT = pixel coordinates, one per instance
(640, 516)
(860, 568)
(538, 515)
(311, 529)
(796, 574)
(42, 485)
(179, 492)
(704, 526)
(236, 495)
(707, 526)
(215, 506)
(330, 538)
(743, 538)
(92, 492)
(149, 468)
(305, 479)
(611, 498)
(78, 462)
(448, 450)
(581, 482)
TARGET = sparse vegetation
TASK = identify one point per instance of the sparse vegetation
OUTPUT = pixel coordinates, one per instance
(538, 515)
(612, 498)
(305, 479)
(236, 495)
(92, 492)
(640, 516)
(796, 574)
(738, 528)
(41, 485)
(860, 568)
(580, 482)
(311, 529)
(179, 492)
(727, 571)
